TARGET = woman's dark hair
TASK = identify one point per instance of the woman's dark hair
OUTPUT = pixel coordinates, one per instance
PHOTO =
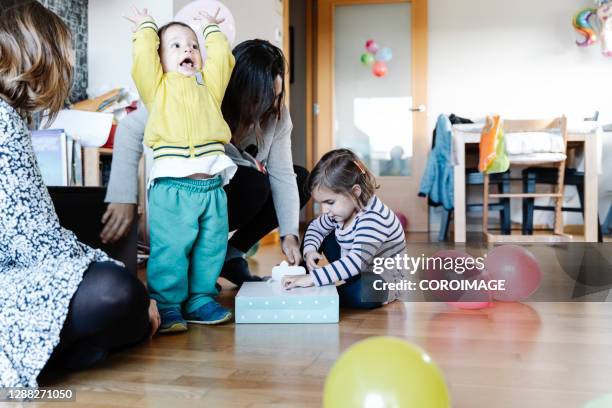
(338, 171)
(249, 100)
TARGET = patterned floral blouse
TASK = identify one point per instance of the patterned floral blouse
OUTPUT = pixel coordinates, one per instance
(41, 264)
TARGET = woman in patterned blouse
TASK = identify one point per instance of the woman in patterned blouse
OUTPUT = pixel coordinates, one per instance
(63, 305)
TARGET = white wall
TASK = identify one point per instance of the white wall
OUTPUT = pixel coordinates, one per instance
(179, 4)
(110, 41)
(515, 58)
(110, 36)
(257, 19)
(519, 59)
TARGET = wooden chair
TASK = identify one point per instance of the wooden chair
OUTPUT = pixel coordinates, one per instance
(475, 178)
(558, 163)
(533, 176)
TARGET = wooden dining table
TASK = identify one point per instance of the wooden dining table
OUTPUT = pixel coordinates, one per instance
(592, 156)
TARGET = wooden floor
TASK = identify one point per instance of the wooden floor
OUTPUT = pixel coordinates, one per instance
(511, 355)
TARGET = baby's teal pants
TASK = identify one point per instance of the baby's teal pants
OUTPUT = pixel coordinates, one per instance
(188, 233)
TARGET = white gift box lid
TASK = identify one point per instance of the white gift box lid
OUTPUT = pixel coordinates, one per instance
(268, 289)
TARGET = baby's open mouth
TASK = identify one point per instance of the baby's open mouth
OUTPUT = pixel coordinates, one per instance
(187, 62)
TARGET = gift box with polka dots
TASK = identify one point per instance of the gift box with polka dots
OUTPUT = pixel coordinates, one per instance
(267, 302)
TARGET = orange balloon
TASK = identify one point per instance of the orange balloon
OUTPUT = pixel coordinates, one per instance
(380, 69)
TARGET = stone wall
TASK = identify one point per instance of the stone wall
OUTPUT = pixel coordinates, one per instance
(74, 13)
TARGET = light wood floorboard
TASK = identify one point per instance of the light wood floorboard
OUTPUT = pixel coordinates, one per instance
(511, 355)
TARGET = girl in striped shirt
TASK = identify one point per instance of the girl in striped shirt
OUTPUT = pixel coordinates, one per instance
(355, 232)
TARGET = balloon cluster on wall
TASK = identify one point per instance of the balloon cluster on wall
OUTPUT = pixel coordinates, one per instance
(595, 23)
(377, 58)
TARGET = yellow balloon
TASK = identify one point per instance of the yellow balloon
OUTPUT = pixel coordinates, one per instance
(385, 372)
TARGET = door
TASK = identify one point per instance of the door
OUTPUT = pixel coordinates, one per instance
(381, 118)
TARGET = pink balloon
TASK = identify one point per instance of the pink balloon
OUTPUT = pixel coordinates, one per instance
(191, 10)
(379, 69)
(371, 46)
(464, 268)
(518, 268)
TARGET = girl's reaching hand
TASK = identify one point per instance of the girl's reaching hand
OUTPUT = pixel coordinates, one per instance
(297, 281)
(312, 258)
(138, 17)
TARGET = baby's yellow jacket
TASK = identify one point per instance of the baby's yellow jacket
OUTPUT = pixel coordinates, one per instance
(185, 117)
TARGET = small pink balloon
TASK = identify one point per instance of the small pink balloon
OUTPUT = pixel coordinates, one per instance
(191, 10)
(518, 268)
(456, 266)
(371, 46)
(379, 69)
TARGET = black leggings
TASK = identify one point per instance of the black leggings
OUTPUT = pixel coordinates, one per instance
(108, 312)
(250, 207)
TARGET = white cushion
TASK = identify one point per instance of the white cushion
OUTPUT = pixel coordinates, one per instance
(519, 143)
(535, 158)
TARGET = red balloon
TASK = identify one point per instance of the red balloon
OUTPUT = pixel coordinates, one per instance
(379, 69)
(371, 46)
(518, 268)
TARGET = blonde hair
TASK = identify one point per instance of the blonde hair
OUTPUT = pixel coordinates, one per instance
(35, 59)
(339, 170)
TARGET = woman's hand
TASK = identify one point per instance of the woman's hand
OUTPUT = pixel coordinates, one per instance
(297, 281)
(291, 248)
(154, 318)
(117, 219)
(206, 18)
(138, 17)
(312, 258)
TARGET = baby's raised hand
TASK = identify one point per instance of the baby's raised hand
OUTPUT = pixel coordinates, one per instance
(138, 17)
(206, 18)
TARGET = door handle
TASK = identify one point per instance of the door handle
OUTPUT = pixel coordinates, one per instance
(420, 108)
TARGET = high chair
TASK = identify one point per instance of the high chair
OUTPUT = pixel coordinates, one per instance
(554, 159)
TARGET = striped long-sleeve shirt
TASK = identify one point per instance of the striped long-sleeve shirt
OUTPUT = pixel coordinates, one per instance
(375, 232)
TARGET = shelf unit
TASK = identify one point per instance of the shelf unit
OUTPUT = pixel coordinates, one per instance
(92, 176)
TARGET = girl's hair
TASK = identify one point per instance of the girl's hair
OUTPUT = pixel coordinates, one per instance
(249, 100)
(35, 59)
(339, 170)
